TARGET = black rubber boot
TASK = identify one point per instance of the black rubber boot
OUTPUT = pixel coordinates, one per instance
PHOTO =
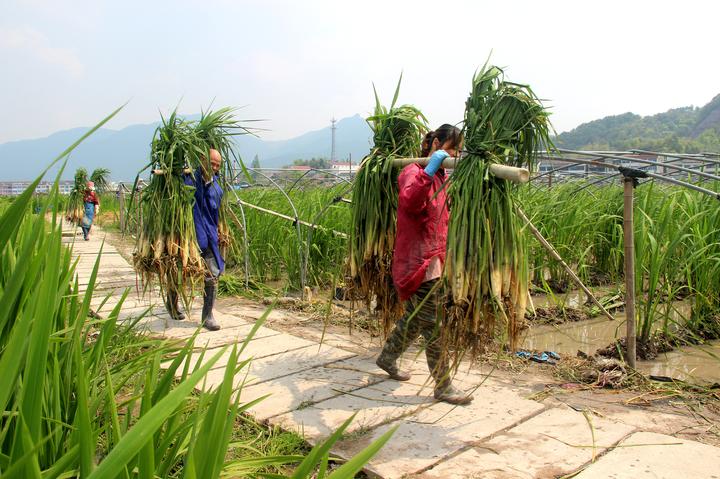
(208, 321)
(171, 304)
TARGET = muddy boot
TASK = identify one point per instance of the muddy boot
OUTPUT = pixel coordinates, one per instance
(171, 304)
(405, 332)
(388, 363)
(451, 394)
(208, 321)
(440, 371)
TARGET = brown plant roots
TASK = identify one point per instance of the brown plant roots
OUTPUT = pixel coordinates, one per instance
(74, 216)
(471, 330)
(182, 272)
(661, 342)
(595, 371)
(374, 282)
(650, 349)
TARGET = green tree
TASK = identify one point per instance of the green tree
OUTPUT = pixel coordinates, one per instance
(255, 165)
(319, 163)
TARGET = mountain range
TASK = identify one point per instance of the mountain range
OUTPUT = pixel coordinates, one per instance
(683, 130)
(126, 151)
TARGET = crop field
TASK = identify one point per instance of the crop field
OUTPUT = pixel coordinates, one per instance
(274, 248)
(677, 247)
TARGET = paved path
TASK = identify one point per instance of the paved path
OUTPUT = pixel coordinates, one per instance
(313, 388)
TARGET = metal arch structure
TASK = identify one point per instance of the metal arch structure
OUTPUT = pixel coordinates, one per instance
(317, 217)
(298, 231)
(304, 252)
(606, 179)
(630, 175)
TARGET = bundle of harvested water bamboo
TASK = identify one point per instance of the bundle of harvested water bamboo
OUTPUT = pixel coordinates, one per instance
(486, 268)
(167, 246)
(397, 132)
(74, 211)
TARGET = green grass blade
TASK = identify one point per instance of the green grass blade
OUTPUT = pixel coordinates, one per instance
(353, 466)
(142, 431)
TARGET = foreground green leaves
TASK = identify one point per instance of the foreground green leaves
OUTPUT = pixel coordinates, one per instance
(88, 398)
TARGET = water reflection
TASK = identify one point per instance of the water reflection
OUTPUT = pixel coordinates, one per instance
(698, 364)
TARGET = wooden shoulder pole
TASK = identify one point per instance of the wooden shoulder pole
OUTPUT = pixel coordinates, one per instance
(509, 173)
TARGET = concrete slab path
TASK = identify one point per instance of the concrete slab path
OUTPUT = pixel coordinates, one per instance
(314, 387)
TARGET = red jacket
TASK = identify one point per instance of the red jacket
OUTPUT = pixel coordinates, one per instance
(422, 224)
(90, 197)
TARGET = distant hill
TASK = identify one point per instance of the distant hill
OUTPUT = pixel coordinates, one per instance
(684, 130)
(126, 151)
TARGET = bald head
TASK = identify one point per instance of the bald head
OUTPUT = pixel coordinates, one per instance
(215, 160)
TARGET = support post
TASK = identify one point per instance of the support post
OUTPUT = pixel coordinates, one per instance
(121, 206)
(629, 234)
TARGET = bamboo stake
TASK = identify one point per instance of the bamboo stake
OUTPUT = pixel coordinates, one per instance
(629, 234)
(510, 173)
(553, 252)
(289, 218)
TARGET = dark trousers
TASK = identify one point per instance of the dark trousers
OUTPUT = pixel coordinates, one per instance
(421, 319)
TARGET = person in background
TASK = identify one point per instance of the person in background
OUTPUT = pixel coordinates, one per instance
(422, 223)
(206, 216)
(91, 207)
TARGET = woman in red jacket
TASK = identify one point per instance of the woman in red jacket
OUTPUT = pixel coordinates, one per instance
(91, 207)
(422, 223)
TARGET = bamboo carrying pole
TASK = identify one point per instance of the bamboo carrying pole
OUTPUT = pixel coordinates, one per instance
(160, 171)
(628, 230)
(553, 252)
(510, 173)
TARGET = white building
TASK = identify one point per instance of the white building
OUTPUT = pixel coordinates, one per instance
(344, 168)
(15, 188)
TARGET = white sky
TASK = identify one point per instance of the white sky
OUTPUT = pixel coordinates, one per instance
(299, 63)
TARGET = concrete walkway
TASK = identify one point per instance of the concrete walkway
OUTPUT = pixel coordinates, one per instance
(314, 388)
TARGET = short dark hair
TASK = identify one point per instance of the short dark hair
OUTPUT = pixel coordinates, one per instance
(443, 134)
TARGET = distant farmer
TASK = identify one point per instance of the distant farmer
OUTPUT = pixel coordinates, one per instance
(422, 223)
(208, 195)
(91, 207)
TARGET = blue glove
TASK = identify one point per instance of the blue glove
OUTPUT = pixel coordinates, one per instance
(435, 162)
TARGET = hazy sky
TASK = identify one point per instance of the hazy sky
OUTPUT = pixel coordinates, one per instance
(299, 63)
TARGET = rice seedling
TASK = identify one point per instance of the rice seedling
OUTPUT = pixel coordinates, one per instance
(486, 268)
(397, 132)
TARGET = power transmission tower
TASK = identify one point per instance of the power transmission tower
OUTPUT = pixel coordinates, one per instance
(332, 148)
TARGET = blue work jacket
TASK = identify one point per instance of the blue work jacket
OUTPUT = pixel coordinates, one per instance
(206, 213)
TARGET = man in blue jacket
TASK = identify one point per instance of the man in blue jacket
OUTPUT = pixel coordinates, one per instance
(208, 196)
